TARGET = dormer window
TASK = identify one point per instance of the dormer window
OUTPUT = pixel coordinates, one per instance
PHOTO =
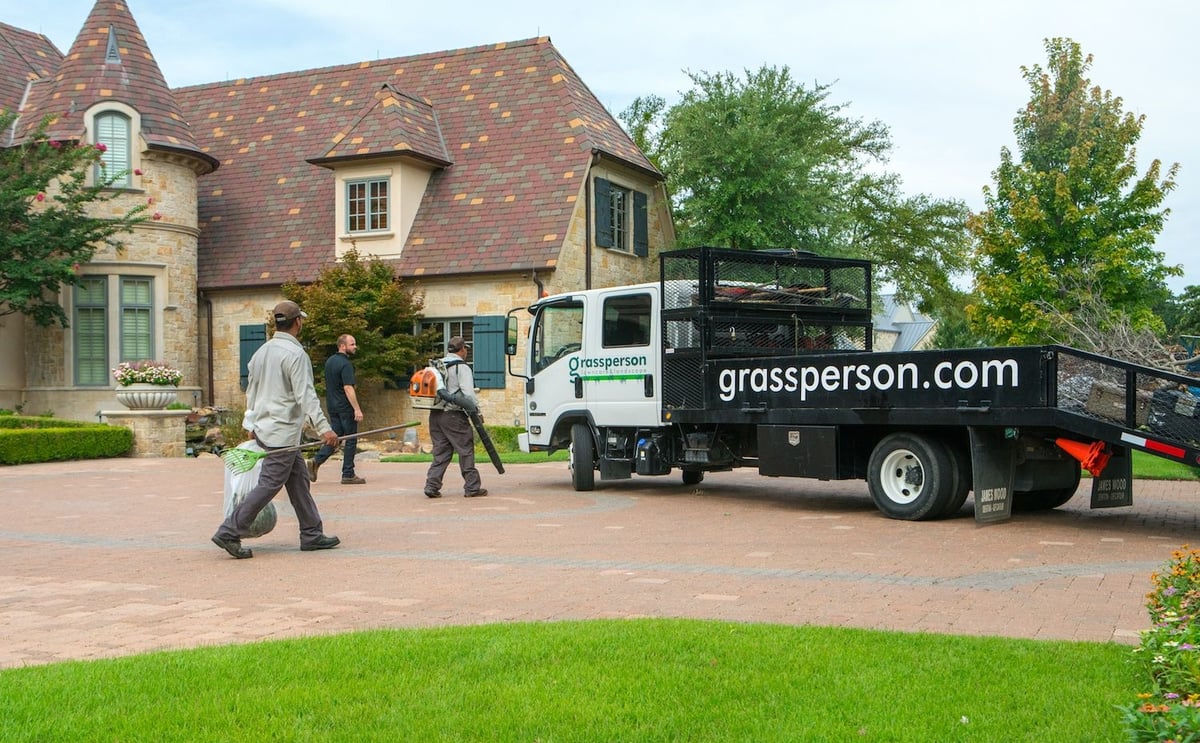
(367, 205)
(114, 132)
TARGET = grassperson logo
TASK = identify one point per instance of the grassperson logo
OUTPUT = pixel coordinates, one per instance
(608, 368)
(864, 377)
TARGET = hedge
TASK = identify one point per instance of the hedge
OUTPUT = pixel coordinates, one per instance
(26, 439)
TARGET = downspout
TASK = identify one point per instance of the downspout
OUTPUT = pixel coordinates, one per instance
(212, 384)
(541, 290)
(587, 228)
(587, 216)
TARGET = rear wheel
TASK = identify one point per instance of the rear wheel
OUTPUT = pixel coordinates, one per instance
(912, 477)
(693, 477)
(960, 462)
(583, 458)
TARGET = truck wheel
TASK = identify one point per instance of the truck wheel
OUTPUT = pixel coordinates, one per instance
(911, 477)
(583, 472)
(1044, 500)
(960, 464)
(693, 477)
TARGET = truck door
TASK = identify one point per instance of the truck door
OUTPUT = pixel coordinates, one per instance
(620, 364)
(555, 342)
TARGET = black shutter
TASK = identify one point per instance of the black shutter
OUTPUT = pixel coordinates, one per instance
(604, 228)
(250, 337)
(487, 351)
(641, 229)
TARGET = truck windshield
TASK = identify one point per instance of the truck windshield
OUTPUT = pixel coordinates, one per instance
(557, 332)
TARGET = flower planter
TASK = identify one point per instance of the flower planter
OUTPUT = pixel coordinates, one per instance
(140, 396)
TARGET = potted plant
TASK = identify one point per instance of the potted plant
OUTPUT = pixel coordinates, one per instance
(146, 385)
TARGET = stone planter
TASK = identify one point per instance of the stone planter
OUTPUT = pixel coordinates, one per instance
(146, 396)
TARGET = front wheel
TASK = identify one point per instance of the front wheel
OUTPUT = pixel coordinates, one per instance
(583, 458)
(911, 477)
(693, 477)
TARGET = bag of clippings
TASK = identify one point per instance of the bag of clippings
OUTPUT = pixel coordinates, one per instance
(239, 485)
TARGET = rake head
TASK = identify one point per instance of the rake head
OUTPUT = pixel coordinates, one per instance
(240, 461)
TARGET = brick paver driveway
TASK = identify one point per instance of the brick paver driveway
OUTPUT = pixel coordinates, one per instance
(112, 557)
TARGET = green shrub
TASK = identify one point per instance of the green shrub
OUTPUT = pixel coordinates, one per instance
(65, 441)
(1171, 649)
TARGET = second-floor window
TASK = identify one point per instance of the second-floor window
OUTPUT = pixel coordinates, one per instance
(621, 219)
(367, 205)
(113, 131)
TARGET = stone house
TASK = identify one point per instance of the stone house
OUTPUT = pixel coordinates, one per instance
(484, 176)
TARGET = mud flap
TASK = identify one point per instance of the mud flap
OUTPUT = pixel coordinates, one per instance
(1113, 487)
(993, 460)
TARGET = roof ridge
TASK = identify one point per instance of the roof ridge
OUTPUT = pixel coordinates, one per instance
(481, 48)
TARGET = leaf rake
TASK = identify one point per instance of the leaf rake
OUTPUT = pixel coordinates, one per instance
(239, 461)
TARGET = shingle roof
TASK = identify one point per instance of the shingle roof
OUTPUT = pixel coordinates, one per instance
(24, 57)
(85, 78)
(516, 123)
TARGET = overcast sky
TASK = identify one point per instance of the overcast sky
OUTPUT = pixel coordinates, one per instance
(943, 75)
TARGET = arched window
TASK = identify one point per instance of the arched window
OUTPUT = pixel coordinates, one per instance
(113, 131)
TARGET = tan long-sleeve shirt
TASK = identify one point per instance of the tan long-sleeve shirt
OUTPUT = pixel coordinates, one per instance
(280, 396)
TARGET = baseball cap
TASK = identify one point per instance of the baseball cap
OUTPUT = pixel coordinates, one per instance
(456, 344)
(288, 310)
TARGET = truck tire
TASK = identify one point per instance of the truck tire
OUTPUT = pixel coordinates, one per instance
(1044, 500)
(583, 458)
(693, 477)
(911, 477)
(960, 463)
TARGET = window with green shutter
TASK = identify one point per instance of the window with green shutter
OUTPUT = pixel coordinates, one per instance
(137, 318)
(250, 337)
(621, 218)
(90, 331)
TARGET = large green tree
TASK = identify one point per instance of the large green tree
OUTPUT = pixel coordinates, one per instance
(365, 299)
(47, 221)
(764, 162)
(1069, 220)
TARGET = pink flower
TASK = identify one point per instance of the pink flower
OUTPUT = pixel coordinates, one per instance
(55, 143)
(41, 196)
(156, 216)
(137, 171)
(150, 200)
(101, 146)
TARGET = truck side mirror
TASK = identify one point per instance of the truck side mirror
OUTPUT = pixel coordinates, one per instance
(510, 337)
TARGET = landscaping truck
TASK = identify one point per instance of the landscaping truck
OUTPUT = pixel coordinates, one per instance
(764, 359)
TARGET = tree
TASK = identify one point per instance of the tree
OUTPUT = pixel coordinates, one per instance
(47, 227)
(764, 162)
(362, 298)
(1068, 215)
(1181, 313)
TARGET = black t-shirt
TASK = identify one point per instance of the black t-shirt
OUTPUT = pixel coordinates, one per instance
(339, 372)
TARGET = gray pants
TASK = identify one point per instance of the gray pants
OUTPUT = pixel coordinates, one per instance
(451, 433)
(278, 471)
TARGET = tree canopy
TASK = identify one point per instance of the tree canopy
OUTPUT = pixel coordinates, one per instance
(764, 162)
(1069, 221)
(47, 227)
(362, 298)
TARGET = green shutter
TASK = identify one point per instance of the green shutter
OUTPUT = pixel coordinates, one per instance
(250, 337)
(604, 228)
(91, 331)
(487, 351)
(641, 230)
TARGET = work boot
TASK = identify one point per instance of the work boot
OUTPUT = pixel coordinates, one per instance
(353, 481)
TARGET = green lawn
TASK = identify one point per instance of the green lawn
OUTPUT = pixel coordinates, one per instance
(604, 680)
